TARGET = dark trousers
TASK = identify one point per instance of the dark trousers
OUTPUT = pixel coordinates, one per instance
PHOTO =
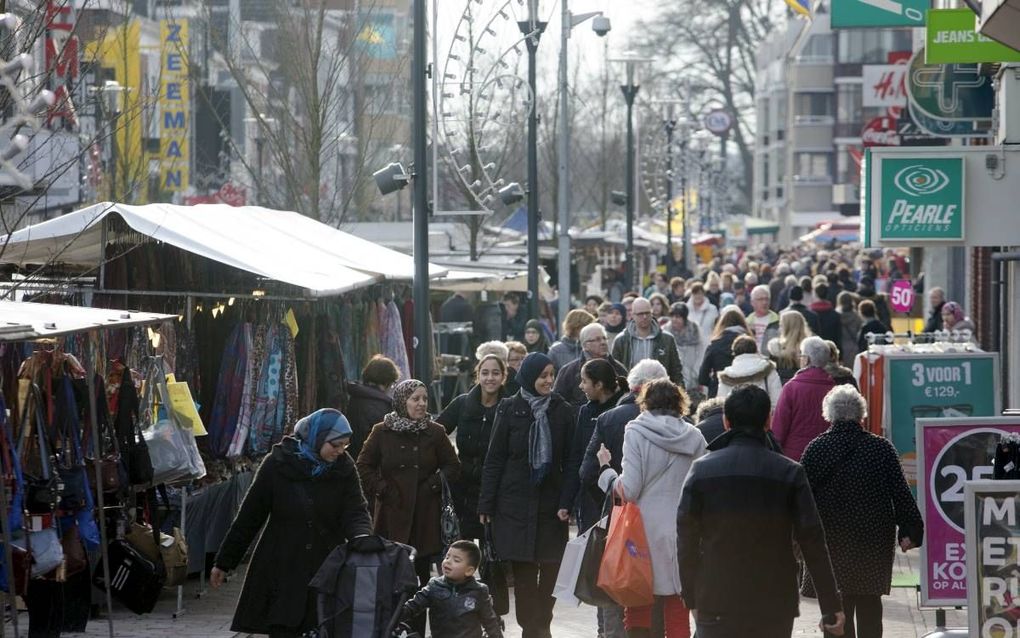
(734, 626)
(863, 616)
(533, 599)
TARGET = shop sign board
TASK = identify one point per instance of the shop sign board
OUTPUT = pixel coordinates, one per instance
(951, 451)
(947, 129)
(847, 14)
(902, 295)
(174, 107)
(922, 199)
(949, 91)
(881, 131)
(884, 85)
(923, 385)
(992, 533)
(952, 38)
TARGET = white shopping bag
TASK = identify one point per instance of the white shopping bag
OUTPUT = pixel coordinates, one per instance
(570, 567)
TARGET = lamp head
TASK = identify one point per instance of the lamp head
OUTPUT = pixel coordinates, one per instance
(511, 194)
(601, 25)
(391, 178)
(618, 197)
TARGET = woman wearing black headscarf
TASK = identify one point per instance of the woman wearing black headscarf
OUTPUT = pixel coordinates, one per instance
(400, 465)
(524, 493)
(308, 491)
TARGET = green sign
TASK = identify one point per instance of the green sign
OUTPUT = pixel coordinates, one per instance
(926, 386)
(921, 199)
(949, 91)
(848, 14)
(953, 38)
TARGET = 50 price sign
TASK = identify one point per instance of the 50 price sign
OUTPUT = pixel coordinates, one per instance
(901, 296)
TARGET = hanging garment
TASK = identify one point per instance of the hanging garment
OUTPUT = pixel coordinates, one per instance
(392, 339)
(332, 378)
(237, 444)
(345, 330)
(371, 319)
(267, 417)
(288, 411)
(227, 407)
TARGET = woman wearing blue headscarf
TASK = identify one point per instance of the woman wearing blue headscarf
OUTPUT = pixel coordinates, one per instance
(308, 495)
(524, 493)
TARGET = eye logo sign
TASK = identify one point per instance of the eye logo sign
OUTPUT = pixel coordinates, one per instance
(919, 180)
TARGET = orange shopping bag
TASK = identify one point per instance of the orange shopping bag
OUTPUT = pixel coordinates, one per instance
(626, 570)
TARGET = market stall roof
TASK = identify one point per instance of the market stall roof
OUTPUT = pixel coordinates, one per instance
(475, 276)
(25, 321)
(280, 245)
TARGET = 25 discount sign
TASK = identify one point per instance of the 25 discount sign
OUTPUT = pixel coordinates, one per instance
(920, 385)
(950, 453)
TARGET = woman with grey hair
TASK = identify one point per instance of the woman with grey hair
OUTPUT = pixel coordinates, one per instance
(798, 415)
(865, 505)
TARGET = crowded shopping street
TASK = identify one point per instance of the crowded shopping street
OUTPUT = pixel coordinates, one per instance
(410, 319)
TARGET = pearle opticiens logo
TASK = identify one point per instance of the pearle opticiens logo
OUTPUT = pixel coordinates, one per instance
(920, 180)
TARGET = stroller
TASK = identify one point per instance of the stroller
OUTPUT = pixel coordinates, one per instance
(361, 588)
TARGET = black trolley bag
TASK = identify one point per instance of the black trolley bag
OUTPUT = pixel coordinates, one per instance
(136, 581)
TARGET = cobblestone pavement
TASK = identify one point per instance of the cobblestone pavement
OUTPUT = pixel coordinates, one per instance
(209, 616)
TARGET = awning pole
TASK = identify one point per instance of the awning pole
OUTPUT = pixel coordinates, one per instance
(98, 478)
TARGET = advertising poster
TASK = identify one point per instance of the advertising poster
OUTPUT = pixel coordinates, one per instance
(950, 453)
(929, 386)
(993, 535)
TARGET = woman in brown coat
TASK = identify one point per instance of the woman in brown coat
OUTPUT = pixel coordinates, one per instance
(400, 465)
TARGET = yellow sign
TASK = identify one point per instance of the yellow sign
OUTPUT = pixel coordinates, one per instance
(184, 407)
(291, 321)
(174, 107)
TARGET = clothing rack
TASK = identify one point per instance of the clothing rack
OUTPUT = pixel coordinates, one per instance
(944, 338)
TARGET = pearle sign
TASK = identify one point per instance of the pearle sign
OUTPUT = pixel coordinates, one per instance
(922, 199)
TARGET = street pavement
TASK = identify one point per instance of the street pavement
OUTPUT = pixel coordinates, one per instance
(209, 616)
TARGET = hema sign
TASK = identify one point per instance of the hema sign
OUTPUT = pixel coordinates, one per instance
(944, 196)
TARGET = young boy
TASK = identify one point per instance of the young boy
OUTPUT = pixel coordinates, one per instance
(460, 606)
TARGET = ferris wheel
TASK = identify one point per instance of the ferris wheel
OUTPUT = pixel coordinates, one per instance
(481, 95)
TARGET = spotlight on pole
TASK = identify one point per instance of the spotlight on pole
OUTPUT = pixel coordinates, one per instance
(618, 198)
(511, 194)
(392, 178)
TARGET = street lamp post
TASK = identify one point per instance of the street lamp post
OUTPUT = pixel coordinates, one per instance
(601, 27)
(670, 125)
(630, 91)
(420, 208)
(532, 28)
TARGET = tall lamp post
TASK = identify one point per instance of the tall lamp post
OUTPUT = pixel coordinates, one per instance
(420, 206)
(532, 29)
(669, 124)
(601, 27)
(630, 90)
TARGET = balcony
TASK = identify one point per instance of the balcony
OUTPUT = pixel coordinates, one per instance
(811, 193)
(811, 132)
(848, 129)
(811, 77)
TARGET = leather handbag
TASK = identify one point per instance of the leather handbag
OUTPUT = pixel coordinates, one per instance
(448, 522)
(75, 558)
(135, 581)
(493, 574)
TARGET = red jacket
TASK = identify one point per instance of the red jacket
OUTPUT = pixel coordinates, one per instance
(798, 416)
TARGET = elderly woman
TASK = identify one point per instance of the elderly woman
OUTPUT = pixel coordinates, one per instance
(954, 319)
(307, 495)
(524, 492)
(568, 348)
(658, 449)
(865, 505)
(403, 464)
(798, 415)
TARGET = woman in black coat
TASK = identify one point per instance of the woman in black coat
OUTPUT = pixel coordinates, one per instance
(524, 493)
(370, 400)
(865, 505)
(471, 416)
(309, 492)
(719, 354)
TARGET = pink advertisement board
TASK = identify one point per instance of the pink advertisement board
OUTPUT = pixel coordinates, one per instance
(951, 452)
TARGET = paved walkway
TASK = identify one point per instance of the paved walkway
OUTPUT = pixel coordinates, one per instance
(209, 616)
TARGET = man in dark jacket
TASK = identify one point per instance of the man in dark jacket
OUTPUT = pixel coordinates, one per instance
(737, 565)
(829, 325)
(937, 299)
(797, 303)
(643, 339)
(594, 345)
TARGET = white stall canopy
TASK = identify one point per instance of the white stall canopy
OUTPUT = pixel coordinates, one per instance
(24, 321)
(280, 245)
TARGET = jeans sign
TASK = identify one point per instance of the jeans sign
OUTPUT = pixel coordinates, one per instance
(921, 199)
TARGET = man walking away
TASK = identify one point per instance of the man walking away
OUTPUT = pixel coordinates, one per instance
(739, 508)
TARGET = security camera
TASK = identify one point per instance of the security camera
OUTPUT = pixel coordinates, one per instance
(601, 25)
(618, 197)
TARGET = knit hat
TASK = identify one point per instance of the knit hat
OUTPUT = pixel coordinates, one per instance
(531, 369)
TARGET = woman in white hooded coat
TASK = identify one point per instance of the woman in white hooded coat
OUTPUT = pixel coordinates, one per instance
(749, 367)
(658, 449)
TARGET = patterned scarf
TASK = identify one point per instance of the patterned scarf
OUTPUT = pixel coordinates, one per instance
(540, 450)
(399, 420)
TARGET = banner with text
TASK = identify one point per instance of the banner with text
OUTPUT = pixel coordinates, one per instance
(174, 107)
(884, 85)
(950, 453)
(993, 536)
(953, 38)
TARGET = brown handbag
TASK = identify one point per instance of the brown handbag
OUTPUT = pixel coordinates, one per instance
(75, 558)
(109, 472)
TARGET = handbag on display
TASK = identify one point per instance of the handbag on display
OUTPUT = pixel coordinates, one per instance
(42, 485)
(448, 522)
(111, 469)
(135, 581)
(75, 558)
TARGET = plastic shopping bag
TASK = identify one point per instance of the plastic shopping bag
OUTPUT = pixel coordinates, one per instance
(626, 570)
(586, 588)
(570, 568)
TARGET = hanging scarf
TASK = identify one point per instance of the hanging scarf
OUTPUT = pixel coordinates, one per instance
(540, 451)
(314, 430)
(399, 420)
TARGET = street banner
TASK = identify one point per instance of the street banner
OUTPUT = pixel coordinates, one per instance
(953, 38)
(949, 91)
(919, 385)
(993, 536)
(922, 199)
(174, 107)
(884, 85)
(848, 14)
(951, 451)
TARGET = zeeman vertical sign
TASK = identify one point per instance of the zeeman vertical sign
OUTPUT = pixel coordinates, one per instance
(174, 107)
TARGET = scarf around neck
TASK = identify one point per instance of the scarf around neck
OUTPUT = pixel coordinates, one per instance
(539, 437)
(399, 420)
